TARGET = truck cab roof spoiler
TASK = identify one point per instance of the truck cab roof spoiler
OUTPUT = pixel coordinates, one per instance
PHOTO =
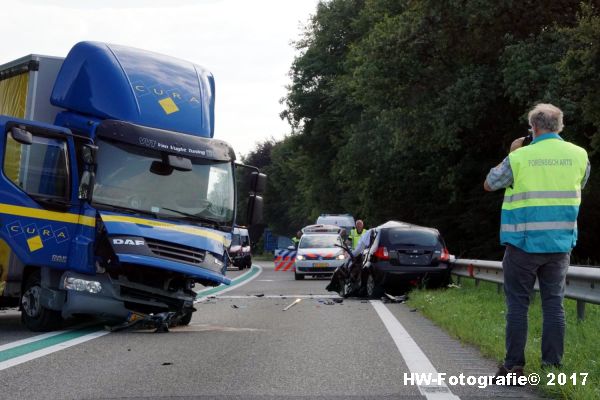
(161, 140)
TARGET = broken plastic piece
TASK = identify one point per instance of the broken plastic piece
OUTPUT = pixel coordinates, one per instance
(396, 299)
(292, 304)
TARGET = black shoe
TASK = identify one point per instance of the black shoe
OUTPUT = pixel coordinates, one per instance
(509, 377)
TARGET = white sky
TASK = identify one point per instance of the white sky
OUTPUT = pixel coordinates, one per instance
(245, 44)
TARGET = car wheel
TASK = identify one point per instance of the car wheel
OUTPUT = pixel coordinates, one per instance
(33, 315)
(374, 290)
(346, 290)
(298, 277)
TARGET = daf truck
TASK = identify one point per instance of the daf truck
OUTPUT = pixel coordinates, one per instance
(115, 197)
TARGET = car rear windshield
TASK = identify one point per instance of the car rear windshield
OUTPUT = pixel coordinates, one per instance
(319, 241)
(411, 237)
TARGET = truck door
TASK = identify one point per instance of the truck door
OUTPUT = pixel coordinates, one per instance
(41, 221)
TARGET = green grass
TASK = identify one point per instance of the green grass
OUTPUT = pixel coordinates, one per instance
(475, 315)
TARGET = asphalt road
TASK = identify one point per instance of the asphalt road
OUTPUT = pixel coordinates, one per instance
(242, 344)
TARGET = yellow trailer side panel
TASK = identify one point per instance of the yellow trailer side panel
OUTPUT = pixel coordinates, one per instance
(13, 100)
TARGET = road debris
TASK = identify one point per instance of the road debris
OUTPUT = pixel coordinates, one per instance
(396, 299)
(339, 301)
(260, 295)
(326, 302)
(292, 304)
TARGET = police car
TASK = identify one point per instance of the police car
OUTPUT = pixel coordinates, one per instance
(318, 252)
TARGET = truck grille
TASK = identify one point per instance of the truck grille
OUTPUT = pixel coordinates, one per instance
(176, 252)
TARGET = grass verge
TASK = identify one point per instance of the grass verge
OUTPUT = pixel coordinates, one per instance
(475, 315)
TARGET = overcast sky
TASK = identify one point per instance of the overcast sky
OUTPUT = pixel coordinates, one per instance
(245, 44)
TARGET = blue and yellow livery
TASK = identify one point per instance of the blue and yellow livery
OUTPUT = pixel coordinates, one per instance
(115, 199)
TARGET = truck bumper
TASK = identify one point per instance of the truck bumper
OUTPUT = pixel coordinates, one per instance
(117, 300)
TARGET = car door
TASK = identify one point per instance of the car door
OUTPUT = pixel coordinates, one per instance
(41, 217)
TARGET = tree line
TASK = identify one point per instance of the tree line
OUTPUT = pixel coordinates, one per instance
(399, 108)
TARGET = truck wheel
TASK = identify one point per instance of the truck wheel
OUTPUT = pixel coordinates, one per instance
(186, 319)
(298, 277)
(33, 315)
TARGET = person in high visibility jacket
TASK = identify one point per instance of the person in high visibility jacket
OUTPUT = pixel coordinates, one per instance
(357, 232)
(543, 182)
(296, 239)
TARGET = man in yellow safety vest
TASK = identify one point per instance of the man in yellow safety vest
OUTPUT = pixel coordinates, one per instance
(357, 232)
(543, 182)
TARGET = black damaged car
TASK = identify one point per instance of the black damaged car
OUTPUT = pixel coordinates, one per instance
(405, 256)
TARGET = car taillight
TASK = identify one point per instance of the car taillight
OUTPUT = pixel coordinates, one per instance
(445, 256)
(382, 254)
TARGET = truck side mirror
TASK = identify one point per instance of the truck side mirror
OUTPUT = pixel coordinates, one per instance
(21, 135)
(255, 210)
(258, 182)
(88, 154)
(86, 185)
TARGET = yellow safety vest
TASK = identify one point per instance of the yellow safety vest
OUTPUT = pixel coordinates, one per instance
(539, 213)
(355, 236)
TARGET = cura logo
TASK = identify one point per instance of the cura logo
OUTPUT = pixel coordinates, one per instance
(129, 242)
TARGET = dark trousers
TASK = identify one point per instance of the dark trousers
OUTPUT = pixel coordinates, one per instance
(520, 271)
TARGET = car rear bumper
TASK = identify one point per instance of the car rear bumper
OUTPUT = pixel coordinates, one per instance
(392, 273)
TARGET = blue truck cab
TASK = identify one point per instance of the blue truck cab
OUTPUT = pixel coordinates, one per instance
(115, 199)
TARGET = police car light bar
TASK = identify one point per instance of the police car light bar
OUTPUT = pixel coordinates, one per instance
(320, 228)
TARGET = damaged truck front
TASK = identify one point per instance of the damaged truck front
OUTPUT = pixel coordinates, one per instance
(115, 199)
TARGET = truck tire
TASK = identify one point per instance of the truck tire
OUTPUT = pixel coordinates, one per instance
(186, 319)
(33, 315)
(298, 277)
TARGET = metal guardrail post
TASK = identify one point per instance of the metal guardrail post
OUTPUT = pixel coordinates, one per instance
(580, 310)
(582, 285)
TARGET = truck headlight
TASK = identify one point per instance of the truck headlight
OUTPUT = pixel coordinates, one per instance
(300, 257)
(341, 257)
(82, 285)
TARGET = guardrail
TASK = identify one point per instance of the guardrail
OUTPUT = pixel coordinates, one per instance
(583, 283)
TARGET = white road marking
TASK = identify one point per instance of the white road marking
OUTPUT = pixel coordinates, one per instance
(414, 357)
(52, 349)
(235, 286)
(36, 338)
(30, 340)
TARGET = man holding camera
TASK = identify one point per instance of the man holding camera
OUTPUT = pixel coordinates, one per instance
(543, 181)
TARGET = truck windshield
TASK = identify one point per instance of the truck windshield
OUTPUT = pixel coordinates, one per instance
(124, 180)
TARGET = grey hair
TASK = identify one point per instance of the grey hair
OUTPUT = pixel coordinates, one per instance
(546, 117)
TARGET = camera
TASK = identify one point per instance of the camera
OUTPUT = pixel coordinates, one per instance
(528, 139)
